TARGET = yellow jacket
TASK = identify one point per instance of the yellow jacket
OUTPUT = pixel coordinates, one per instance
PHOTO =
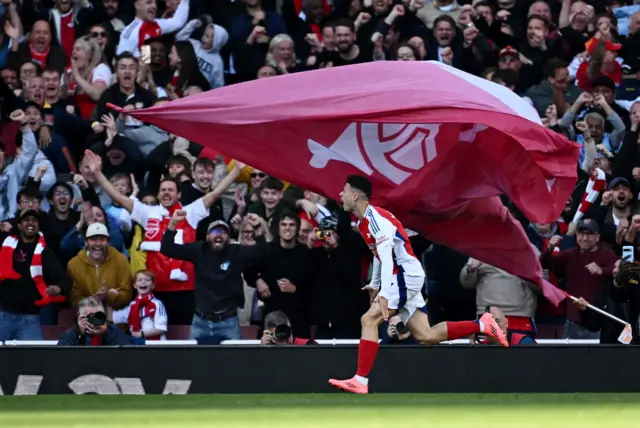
(138, 257)
(245, 175)
(88, 278)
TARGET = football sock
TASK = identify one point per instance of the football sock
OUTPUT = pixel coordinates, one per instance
(367, 351)
(459, 329)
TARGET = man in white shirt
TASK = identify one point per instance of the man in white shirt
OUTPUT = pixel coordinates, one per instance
(146, 26)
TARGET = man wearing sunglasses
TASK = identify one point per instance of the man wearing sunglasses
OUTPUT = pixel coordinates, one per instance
(218, 280)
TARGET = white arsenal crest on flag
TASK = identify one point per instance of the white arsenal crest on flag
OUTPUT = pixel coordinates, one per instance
(152, 229)
(393, 150)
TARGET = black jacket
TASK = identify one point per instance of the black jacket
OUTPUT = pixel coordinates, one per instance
(190, 193)
(116, 97)
(292, 264)
(19, 295)
(112, 337)
(218, 282)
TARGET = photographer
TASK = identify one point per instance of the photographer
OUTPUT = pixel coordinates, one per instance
(92, 328)
(277, 331)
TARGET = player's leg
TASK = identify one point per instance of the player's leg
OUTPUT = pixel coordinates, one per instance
(418, 322)
(421, 330)
(367, 349)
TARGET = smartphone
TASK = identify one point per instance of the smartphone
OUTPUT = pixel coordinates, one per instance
(628, 254)
(145, 54)
(65, 178)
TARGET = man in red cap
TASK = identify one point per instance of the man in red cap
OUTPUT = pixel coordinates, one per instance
(602, 62)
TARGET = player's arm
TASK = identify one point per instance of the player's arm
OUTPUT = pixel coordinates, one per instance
(177, 21)
(375, 274)
(385, 253)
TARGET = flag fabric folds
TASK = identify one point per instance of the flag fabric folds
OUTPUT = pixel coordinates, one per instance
(439, 145)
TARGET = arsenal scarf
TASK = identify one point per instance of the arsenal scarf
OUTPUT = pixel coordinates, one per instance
(142, 305)
(6, 268)
(597, 183)
(40, 58)
(153, 244)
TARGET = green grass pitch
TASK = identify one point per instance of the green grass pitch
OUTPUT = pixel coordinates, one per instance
(325, 410)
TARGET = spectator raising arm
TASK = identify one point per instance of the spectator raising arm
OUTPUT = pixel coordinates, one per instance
(177, 21)
(187, 252)
(94, 163)
(222, 187)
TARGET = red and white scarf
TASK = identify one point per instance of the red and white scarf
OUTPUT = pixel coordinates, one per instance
(152, 240)
(597, 183)
(142, 307)
(6, 268)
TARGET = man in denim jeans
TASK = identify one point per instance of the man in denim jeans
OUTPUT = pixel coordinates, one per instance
(218, 283)
(28, 272)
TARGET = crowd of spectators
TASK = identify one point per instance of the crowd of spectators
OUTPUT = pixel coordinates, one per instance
(86, 195)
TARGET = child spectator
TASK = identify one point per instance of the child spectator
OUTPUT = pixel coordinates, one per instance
(145, 315)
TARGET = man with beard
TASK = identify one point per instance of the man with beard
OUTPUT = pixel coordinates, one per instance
(203, 171)
(587, 269)
(174, 278)
(39, 49)
(31, 277)
(218, 275)
(126, 92)
(285, 274)
(146, 26)
(348, 51)
(250, 33)
(100, 271)
(615, 211)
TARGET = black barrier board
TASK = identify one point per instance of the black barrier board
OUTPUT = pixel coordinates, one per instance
(231, 370)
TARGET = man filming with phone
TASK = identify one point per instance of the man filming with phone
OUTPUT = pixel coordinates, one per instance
(92, 328)
(277, 331)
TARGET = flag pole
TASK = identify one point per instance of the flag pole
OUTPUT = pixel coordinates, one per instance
(600, 311)
(625, 337)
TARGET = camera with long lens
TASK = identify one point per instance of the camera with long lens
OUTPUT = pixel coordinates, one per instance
(97, 319)
(401, 328)
(282, 333)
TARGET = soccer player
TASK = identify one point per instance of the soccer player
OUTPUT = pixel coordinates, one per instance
(146, 26)
(396, 286)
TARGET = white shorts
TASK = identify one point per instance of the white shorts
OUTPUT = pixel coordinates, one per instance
(406, 295)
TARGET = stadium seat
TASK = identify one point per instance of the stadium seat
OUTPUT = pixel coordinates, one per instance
(53, 332)
(249, 332)
(178, 332)
(67, 317)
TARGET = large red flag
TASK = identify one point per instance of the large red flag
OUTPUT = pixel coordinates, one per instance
(439, 145)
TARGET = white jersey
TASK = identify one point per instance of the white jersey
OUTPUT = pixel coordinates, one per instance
(389, 242)
(134, 34)
(152, 317)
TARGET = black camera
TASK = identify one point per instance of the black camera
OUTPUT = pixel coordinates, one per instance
(97, 318)
(401, 328)
(282, 333)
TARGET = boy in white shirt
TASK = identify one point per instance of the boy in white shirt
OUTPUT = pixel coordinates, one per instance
(145, 315)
